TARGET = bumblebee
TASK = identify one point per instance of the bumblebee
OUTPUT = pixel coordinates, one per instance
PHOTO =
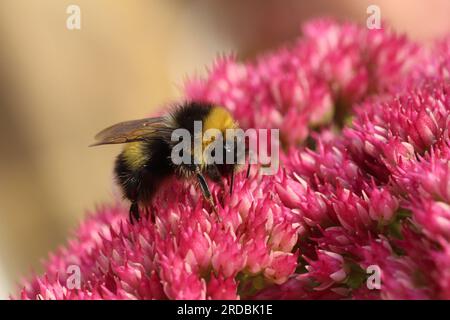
(146, 159)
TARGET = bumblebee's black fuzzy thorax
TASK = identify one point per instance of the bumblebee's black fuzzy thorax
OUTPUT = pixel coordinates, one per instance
(185, 115)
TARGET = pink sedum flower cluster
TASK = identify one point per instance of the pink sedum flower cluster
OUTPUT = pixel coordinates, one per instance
(364, 181)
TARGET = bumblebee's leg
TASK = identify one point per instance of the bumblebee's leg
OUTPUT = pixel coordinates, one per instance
(134, 212)
(248, 156)
(150, 210)
(232, 183)
(205, 189)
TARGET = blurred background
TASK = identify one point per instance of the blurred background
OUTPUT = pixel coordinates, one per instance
(58, 87)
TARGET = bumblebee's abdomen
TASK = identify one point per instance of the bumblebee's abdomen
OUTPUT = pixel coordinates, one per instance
(135, 154)
(140, 169)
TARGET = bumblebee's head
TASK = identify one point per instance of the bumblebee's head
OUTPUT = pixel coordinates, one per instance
(216, 144)
(220, 133)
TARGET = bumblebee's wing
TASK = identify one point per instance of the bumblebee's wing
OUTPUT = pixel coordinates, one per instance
(134, 130)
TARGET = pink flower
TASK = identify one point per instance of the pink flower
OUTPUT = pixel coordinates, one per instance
(401, 277)
(328, 269)
(428, 176)
(364, 181)
(220, 288)
(442, 261)
(434, 217)
(382, 205)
